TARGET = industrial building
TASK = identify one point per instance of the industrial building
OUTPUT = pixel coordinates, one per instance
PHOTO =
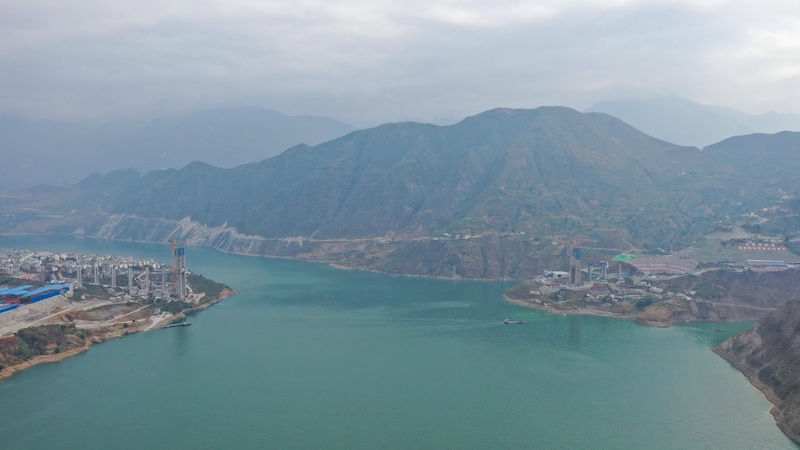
(13, 297)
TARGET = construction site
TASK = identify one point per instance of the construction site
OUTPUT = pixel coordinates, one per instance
(92, 291)
(688, 285)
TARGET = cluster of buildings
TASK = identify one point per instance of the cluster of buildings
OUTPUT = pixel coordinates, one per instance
(123, 277)
(40, 287)
(762, 254)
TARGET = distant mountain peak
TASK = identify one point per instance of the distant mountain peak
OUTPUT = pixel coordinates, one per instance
(199, 167)
(527, 111)
(682, 121)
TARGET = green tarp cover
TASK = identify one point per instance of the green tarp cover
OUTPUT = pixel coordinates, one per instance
(622, 257)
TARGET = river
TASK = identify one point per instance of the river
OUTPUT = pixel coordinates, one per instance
(308, 356)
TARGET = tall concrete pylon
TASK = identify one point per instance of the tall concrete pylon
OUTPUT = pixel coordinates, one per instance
(130, 280)
(179, 269)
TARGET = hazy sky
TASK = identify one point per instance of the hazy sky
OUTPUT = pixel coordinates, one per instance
(373, 61)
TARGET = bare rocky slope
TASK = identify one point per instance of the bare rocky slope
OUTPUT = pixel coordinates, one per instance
(769, 355)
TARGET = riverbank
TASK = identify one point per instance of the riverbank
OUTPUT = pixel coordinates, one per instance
(661, 314)
(767, 355)
(752, 377)
(721, 295)
(8, 372)
(84, 339)
(571, 310)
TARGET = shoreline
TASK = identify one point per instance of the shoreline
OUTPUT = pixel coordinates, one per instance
(638, 318)
(9, 372)
(777, 413)
(108, 334)
(333, 264)
(571, 311)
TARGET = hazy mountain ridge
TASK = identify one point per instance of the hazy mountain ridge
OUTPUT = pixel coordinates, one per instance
(685, 122)
(59, 153)
(767, 158)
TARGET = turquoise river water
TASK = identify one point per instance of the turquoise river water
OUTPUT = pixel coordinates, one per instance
(312, 357)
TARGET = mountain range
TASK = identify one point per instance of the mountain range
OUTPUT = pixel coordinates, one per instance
(63, 152)
(55, 152)
(495, 195)
(685, 122)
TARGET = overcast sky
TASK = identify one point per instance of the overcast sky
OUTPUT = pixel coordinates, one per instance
(372, 61)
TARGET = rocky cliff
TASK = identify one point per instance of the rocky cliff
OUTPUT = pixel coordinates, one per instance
(769, 355)
(488, 256)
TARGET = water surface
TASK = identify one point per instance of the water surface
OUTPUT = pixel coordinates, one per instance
(307, 356)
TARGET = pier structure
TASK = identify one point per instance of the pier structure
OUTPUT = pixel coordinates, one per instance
(602, 267)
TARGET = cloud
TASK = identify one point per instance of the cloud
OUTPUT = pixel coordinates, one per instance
(373, 61)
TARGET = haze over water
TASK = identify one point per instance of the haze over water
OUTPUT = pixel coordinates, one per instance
(307, 356)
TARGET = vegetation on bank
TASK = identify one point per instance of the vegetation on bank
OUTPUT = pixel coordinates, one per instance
(29, 343)
(200, 284)
(210, 288)
(92, 291)
(6, 280)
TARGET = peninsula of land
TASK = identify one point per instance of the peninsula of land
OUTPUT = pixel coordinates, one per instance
(60, 340)
(713, 295)
(67, 313)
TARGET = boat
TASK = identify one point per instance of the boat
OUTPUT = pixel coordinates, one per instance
(179, 324)
(509, 322)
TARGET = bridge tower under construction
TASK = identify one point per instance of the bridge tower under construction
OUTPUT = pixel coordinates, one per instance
(179, 269)
(575, 266)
